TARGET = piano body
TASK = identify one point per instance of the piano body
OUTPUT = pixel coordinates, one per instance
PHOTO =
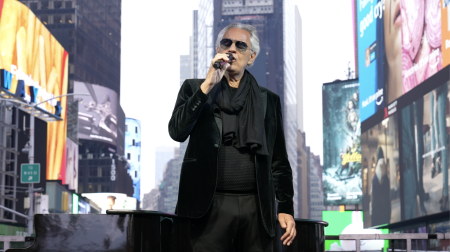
(140, 230)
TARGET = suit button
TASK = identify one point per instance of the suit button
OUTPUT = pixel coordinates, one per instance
(216, 146)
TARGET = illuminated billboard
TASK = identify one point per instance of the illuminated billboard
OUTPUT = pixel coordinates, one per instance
(71, 171)
(405, 161)
(381, 173)
(112, 201)
(34, 69)
(133, 153)
(97, 113)
(350, 222)
(424, 133)
(341, 143)
(400, 45)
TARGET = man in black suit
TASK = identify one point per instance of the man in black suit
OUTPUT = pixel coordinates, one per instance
(236, 162)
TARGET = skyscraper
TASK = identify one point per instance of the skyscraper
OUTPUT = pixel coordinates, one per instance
(277, 65)
(90, 32)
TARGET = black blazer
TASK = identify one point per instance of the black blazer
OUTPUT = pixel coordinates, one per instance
(193, 116)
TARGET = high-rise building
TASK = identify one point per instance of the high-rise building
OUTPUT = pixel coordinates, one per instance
(162, 155)
(315, 188)
(277, 65)
(133, 153)
(151, 199)
(90, 32)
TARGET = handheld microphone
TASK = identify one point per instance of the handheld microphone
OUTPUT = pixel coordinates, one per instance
(219, 63)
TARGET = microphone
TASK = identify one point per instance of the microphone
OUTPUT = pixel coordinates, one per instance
(219, 63)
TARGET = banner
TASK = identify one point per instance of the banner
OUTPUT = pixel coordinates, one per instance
(34, 69)
(400, 45)
(381, 173)
(341, 143)
(97, 114)
(71, 172)
(424, 132)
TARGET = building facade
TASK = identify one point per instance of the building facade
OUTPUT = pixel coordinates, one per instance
(133, 154)
(90, 31)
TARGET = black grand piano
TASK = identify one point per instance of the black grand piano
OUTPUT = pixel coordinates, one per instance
(140, 230)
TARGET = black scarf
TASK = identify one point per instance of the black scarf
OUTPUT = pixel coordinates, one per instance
(242, 115)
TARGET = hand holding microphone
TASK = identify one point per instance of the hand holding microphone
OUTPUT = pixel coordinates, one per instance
(219, 65)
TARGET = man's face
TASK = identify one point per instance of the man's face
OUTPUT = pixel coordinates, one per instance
(241, 59)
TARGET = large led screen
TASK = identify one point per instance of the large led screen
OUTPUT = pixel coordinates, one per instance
(34, 69)
(381, 173)
(399, 46)
(341, 144)
(351, 222)
(424, 134)
(97, 113)
(71, 171)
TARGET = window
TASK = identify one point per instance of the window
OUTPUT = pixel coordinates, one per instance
(105, 188)
(69, 18)
(128, 156)
(44, 19)
(69, 5)
(136, 130)
(33, 6)
(106, 172)
(90, 188)
(135, 174)
(134, 142)
(57, 19)
(57, 4)
(139, 158)
(92, 172)
(45, 5)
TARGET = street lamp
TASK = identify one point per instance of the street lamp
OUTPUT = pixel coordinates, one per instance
(30, 148)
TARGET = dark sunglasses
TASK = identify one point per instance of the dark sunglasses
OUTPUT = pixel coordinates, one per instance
(240, 46)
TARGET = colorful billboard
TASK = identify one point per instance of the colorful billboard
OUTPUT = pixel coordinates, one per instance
(381, 174)
(97, 113)
(70, 177)
(133, 153)
(424, 166)
(34, 69)
(350, 222)
(399, 47)
(341, 143)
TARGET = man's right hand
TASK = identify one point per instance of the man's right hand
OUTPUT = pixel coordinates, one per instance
(215, 75)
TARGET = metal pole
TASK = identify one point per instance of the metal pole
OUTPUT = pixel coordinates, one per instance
(31, 161)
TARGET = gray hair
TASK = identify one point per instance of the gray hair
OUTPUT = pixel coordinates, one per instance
(254, 40)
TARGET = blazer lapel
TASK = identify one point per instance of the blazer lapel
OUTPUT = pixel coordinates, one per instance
(264, 99)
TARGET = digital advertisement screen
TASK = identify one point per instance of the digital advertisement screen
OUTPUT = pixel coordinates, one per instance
(381, 173)
(400, 45)
(71, 171)
(341, 143)
(34, 68)
(133, 153)
(351, 222)
(424, 133)
(97, 113)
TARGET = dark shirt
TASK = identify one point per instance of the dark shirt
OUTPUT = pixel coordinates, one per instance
(236, 172)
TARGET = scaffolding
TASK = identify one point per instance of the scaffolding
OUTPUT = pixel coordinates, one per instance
(9, 135)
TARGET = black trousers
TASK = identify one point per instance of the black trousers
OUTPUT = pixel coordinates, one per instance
(233, 223)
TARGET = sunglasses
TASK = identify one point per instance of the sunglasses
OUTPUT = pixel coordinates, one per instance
(240, 46)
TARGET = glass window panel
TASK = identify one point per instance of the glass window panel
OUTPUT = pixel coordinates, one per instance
(57, 4)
